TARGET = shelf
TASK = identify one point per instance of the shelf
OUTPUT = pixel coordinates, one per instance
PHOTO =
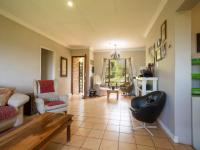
(196, 91)
(195, 75)
(195, 61)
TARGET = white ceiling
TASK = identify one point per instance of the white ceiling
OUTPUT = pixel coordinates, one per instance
(90, 23)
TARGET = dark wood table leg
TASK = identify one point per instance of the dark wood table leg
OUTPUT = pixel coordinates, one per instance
(68, 133)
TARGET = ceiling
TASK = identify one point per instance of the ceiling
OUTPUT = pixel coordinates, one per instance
(90, 23)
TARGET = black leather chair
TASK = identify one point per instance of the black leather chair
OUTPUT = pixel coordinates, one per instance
(148, 108)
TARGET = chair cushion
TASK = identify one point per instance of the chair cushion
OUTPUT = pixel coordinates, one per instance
(51, 96)
(53, 103)
(46, 86)
(55, 107)
(7, 112)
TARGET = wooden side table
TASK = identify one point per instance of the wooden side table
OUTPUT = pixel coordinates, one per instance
(112, 91)
(30, 106)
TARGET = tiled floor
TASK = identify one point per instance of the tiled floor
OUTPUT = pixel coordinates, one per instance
(105, 125)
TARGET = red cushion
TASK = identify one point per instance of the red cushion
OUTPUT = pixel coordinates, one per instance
(7, 112)
(53, 103)
(46, 86)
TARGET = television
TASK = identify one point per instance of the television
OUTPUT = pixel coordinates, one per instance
(198, 42)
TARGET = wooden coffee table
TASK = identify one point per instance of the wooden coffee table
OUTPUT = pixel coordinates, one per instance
(35, 133)
(112, 91)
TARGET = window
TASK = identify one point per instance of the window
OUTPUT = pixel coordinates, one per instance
(116, 72)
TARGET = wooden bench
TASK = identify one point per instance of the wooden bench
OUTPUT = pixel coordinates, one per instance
(35, 133)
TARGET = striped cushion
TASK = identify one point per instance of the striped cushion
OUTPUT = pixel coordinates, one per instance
(7, 112)
(53, 103)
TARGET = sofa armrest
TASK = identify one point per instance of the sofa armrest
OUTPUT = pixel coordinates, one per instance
(40, 105)
(17, 100)
(64, 98)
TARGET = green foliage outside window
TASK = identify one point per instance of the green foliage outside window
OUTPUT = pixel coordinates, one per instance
(116, 72)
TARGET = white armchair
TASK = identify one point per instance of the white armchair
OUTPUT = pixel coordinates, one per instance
(47, 99)
(100, 91)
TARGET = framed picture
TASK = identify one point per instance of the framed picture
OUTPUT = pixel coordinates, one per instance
(159, 42)
(63, 67)
(158, 54)
(163, 50)
(152, 51)
(164, 31)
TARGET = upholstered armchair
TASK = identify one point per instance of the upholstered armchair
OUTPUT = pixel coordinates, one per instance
(100, 90)
(47, 98)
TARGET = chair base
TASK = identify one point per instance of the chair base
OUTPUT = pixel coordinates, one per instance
(146, 127)
(143, 125)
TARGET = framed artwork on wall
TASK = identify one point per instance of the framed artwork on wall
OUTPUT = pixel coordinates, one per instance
(63, 67)
(163, 49)
(158, 54)
(152, 52)
(164, 31)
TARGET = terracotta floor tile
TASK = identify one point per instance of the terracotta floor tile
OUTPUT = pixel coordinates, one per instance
(69, 148)
(92, 116)
(159, 133)
(124, 129)
(127, 138)
(96, 134)
(182, 147)
(114, 122)
(162, 143)
(142, 147)
(125, 123)
(109, 135)
(127, 146)
(112, 128)
(144, 140)
(109, 145)
(83, 131)
(100, 126)
(76, 141)
(141, 132)
(52, 146)
(92, 143)
(87, 125)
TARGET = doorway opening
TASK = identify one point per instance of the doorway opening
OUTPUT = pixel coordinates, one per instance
(47, 64)
(78, 75)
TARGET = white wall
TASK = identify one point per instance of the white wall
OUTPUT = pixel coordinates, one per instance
(20, 54)
(174, 71)
(183, 77)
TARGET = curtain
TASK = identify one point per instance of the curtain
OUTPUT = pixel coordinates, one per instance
(104, 70)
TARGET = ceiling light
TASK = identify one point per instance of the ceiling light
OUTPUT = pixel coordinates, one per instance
(70, 3)
(115, 55)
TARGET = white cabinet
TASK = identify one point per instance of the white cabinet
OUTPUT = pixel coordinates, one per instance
(141, 83)
(196, 121)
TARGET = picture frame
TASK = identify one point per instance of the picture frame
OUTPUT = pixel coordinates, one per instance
(152, 51)
(159, 42)
(63, 67)
(164, 31)
(163, 50)
(158, 54)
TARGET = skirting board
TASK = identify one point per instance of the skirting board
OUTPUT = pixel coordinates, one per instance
(169, 133)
